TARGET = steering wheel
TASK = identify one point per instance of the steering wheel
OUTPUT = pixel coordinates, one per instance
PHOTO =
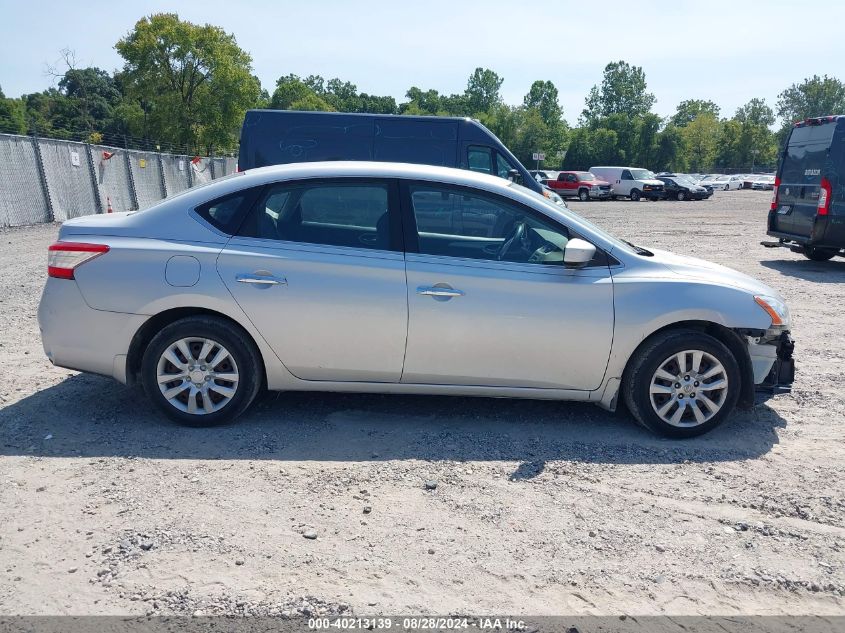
(518, 233)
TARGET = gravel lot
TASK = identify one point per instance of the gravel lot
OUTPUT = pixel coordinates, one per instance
(539, 507)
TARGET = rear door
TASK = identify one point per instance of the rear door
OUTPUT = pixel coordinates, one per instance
(800, 181)
(835, 233)
(319, 270)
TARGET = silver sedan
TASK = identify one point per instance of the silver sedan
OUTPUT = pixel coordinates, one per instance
(379, 277)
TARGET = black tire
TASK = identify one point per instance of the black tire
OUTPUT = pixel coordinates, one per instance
(635, 195)
(820, 254)
(583, 195)
(644, 363)
(234, 339)
(681, 196)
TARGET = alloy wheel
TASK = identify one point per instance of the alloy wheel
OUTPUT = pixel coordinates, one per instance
(688, 388)
(197, 375)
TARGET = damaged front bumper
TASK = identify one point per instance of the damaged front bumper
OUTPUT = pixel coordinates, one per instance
(772, 363)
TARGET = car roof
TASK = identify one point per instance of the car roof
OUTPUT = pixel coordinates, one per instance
(371, 169)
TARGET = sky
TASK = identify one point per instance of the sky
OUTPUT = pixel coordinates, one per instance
(728, 52)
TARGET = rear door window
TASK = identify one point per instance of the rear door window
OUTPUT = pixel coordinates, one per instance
(354, 214)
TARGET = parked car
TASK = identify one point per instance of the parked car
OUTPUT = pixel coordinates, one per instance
(809, 190)
(543, 176)
(276, 137)
(580, 184)
(397, 278)
(709, 178)
(682, 188)
(726, 183)
(763, 183)
(630, 182)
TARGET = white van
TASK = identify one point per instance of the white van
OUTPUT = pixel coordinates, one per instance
(631, 182)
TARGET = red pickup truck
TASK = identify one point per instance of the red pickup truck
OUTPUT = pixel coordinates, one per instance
(580, 184)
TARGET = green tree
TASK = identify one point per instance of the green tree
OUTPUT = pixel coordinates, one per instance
(482, 92)
(669, 153)
(543, 97)
(197, 80)
(701, 138)
(291, 89)
(94, 94)
(816, 96)
(728, 152)
(623, 91)
(756, 144)
(310, 101)
(688, 110)
(12, 120)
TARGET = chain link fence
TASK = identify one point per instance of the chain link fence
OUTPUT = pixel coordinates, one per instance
(45, 180)
(23, 199)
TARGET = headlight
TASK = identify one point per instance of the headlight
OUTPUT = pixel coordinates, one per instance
(775, 308)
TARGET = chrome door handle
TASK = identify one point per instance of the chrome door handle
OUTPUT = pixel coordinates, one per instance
(260, 280)
(439, 291)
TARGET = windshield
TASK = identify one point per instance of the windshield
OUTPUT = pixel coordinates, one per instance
(684, 181)
(642, 174)
(559, 212)
(586, 176)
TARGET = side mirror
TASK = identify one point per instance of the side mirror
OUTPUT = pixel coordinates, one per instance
(578, 252)
(515, 176)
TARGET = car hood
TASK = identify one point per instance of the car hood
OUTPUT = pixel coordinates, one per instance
(595, 183)
(702, 270)
(651, 181)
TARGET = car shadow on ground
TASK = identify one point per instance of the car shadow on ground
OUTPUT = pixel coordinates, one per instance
(90, 416)
(829, 272)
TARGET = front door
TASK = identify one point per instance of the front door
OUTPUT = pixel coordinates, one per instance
(318, 269)
(490, 301)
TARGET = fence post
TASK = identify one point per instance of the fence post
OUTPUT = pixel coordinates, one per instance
(133, 193)
(42, 174)
(189, 165)
(211, 162)
(95, 182)
(161, 173)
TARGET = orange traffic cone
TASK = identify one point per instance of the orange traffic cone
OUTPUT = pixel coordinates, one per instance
(108, 205)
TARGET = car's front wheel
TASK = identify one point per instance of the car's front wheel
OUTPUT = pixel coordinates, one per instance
(682, 383)
(635, 195)
(201, 371)
(583, 195)
(681, 196)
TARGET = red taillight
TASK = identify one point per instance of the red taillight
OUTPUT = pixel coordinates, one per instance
(775, 194)
(824, 197)
(64, 257)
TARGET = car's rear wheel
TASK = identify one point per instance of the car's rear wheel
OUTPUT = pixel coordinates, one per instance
(682, 383)
(583, 195)
(201, 371)
(635, 195)
(819, 254)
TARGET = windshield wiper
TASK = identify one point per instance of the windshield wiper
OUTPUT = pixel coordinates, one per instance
(639, 249)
